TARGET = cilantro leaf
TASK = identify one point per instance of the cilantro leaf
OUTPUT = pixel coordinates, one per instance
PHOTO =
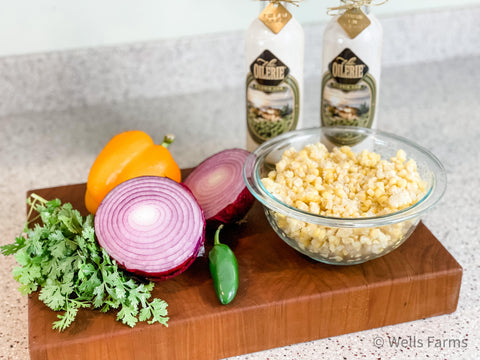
(11, 249)
(65, 319)
(51, 295)
(128, 315)
(159, 312)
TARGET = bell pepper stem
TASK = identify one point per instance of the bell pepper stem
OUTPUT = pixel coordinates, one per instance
(167, 140)
(216, 239)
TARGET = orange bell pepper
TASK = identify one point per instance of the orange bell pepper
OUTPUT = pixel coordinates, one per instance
(127, 155)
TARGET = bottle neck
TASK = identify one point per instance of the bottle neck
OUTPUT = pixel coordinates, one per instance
(264, 4)
(364, 8)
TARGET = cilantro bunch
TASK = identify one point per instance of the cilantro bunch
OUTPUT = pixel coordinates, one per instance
(62, 258)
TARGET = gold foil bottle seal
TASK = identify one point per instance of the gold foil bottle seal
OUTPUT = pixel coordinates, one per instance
(354, 21)
(275, 16)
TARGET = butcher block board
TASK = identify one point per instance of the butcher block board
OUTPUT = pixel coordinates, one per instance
(283, 298)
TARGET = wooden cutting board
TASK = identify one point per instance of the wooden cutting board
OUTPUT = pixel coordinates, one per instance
(283, 298)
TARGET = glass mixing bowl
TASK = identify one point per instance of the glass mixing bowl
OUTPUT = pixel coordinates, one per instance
(337, 240)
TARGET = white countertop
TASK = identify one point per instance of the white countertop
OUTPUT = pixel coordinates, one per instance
(433, 103)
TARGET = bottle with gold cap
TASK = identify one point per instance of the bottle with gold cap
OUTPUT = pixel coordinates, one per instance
(351, 65)
(274, 54)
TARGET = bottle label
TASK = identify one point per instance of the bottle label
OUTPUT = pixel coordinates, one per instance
(348, 96)
(272, 98)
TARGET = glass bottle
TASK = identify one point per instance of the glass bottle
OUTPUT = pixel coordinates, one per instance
(274, 68)
(351, 66)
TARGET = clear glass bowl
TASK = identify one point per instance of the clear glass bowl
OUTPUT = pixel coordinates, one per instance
(344, 241)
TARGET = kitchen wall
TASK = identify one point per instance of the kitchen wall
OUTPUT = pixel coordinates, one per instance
(49, 25)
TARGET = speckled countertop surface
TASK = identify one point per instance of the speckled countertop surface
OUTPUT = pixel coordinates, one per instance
(434, 103)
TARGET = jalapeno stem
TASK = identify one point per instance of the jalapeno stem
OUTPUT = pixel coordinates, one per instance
(216, 239)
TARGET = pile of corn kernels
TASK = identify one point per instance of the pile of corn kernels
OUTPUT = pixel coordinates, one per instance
(344, 184)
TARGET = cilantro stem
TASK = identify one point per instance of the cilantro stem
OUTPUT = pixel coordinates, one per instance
(32, 207)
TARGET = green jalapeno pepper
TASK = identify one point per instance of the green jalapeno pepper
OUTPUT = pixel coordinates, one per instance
(224, 270)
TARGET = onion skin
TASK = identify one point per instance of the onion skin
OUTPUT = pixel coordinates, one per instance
(235, 211)
(150, 223)
(231, 203)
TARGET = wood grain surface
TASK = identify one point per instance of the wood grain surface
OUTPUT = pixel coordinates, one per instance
(283, 298)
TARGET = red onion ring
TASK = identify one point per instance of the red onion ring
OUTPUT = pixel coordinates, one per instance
(151, 225)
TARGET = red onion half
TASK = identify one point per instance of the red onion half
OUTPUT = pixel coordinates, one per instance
(151, 225)
(218, 185)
